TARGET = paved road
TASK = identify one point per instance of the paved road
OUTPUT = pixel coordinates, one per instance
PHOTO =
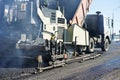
(106, 67)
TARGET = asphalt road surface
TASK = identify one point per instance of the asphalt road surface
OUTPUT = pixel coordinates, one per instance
(106, 67)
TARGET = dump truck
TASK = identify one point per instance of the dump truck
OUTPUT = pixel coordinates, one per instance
(60, 29)
(98, 27)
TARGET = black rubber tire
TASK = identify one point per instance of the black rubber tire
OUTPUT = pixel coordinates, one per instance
(105, 46)
(90, 48)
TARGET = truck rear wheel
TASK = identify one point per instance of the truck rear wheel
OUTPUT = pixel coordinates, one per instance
(90, 48)
(105, 46)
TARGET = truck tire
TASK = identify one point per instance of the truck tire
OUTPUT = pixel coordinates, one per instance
(90, 48)
(105, 45)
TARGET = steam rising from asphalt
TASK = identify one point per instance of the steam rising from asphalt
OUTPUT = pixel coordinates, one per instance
(9, 55)
(9, 35)
(12, 60)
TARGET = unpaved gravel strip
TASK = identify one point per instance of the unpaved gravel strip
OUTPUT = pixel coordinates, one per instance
(13, 73)
(114, 75)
